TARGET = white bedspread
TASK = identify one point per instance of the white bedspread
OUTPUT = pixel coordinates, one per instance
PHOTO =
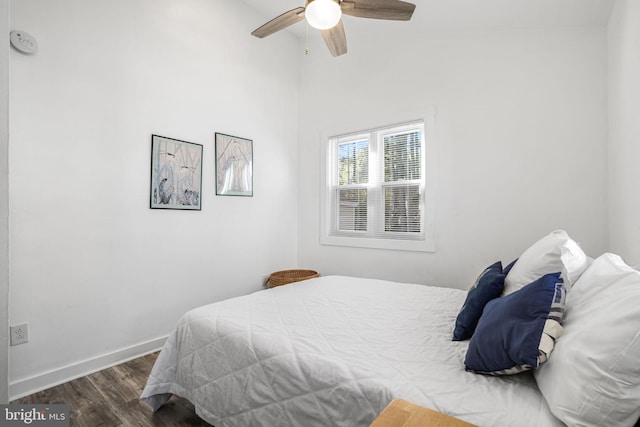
(333, 351)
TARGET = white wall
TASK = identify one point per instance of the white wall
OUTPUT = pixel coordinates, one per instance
(521, 135)
(624, 129)
(4, 199)
(97, 274)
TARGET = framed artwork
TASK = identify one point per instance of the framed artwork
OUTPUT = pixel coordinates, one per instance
(176, 174)
(234, 166)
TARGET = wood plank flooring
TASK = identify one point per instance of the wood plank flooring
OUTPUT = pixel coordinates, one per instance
(109, 398)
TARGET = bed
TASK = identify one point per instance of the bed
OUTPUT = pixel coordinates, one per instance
(334, 351)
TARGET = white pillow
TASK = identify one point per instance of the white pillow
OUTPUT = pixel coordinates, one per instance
(593, 378)
(554, 253)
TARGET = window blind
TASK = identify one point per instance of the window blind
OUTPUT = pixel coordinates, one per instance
(377, 183)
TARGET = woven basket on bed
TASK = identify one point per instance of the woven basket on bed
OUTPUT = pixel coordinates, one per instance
(289, 276)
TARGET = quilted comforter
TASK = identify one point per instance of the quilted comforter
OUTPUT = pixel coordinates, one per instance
(333, 351)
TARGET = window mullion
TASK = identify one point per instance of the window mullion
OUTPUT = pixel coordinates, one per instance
(374, 184)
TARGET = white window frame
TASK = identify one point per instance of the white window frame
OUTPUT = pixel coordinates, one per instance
(426, 242)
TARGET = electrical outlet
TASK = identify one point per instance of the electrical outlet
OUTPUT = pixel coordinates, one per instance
(19, 334)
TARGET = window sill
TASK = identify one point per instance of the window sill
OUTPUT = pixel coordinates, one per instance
(372, 243)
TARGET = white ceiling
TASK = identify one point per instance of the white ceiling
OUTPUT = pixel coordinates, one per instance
(461, 15)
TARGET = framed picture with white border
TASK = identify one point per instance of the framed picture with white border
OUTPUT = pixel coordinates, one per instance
(234, 165)
(176, 174)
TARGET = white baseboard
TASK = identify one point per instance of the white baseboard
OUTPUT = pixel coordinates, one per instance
(43, 381)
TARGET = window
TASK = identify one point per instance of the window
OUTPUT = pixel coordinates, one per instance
(375, 193)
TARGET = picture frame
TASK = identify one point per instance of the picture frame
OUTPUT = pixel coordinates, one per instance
(176, 174)
(234, 165)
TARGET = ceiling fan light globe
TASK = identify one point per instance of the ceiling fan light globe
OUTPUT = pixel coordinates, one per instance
(323, 14)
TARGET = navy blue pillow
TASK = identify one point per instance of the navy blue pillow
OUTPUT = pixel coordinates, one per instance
(508, 336)
(508, 268)
(488, 285)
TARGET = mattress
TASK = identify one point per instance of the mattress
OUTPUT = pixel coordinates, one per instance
(334, 351)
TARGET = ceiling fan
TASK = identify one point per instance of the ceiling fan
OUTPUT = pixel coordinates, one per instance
(326, 15)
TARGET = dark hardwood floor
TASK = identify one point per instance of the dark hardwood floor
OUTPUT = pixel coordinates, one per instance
(110, 398)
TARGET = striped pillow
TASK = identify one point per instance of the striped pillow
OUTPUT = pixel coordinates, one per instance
(518, 332)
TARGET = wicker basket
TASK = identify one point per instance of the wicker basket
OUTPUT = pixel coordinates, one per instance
(283, 277)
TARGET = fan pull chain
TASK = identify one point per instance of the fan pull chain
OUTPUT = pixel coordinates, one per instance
(306, 38)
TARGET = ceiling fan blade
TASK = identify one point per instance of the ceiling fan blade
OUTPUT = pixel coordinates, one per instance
(395, 10)
(335, 39)
(280, 23)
